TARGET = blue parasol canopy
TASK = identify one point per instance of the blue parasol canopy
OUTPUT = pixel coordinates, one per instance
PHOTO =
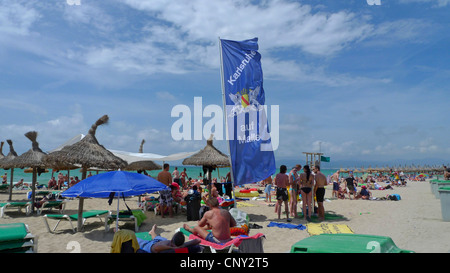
(125, 183)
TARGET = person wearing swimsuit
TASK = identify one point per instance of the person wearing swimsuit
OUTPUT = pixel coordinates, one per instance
(281, 182)
(293, 190)
(306, 181)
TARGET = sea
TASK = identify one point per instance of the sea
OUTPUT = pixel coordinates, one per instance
(192, 172)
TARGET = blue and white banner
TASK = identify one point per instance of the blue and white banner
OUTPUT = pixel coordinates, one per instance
(252, 157)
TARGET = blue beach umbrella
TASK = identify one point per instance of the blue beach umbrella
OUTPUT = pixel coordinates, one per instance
(121, 183)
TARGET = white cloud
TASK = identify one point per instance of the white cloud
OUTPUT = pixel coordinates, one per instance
(436, 3)
(88, 15)
(16, 19)
(164, 95)
(184, 36)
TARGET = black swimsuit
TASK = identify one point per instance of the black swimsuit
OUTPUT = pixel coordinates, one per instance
(306, 190)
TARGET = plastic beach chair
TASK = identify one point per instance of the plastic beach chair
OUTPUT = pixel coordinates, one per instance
(50, 205)
(86, 215)
(18, 205)
(240, 244)
(4, 187)
(347, 243)
(137, 217)
(16, 238)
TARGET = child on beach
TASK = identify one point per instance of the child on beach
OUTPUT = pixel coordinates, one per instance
(268, 188)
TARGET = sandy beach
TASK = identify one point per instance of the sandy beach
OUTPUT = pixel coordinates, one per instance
(414, 223)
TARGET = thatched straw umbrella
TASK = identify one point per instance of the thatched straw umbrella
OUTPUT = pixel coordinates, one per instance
(87, 153)
(148, 165)
(33, 159)
(209, 157)
(4, 162)
(1, 150)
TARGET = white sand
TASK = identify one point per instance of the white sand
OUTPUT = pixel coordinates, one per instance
(414, 223)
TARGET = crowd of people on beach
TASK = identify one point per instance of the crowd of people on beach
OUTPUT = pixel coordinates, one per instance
(214, 225)
(301, 186)
(293, 186)
(289, 187)
(63, 181)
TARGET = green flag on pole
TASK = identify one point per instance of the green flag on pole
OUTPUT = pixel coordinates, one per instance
(325, 158)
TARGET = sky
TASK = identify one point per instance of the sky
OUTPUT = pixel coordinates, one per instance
(358, 81)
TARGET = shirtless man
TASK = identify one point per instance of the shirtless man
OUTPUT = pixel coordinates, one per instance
(218, 220)
(165, 199)
(335, 180)
(176, 176)
(321, 182)
(281, 182)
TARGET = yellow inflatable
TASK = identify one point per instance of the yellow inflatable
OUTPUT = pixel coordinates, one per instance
(246, 194)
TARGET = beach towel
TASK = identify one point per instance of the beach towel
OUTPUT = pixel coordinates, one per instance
(234, 242)
(285, 225)
(315, 229)
(123, 236)
(245, 204)
(331, 216)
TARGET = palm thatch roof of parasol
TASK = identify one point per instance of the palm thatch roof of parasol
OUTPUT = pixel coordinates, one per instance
(4, 162)
(10, 156)
(32, 158)
(87, 152)
(208, 156)
(1, 150)
(148, 165)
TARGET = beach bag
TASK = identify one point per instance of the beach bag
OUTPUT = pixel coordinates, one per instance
(192, 207)
(394, 197)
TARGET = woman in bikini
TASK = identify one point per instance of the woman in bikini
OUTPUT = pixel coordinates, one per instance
(306, 182)
(293, 190)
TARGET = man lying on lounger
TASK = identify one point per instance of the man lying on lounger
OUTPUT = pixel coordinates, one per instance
(159, 244)
(218, 220)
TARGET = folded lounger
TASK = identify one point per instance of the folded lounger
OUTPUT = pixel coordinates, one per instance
(18, 205)
(243, 244)
(86, 215)
(16, 238)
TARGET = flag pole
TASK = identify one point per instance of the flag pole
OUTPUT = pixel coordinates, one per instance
(227, 138)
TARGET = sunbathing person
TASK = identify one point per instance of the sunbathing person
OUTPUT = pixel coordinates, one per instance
(216, 219)
(159, 244)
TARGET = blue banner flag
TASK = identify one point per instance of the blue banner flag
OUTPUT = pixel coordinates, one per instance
(249, 140)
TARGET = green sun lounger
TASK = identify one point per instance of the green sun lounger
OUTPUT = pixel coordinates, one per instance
(64, 217)
(138, 217)
(347, 243)
(50, 205)
(18, 205)
(4, 187)
(16, 238)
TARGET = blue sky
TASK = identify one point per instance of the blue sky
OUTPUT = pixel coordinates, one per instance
(367, 82)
